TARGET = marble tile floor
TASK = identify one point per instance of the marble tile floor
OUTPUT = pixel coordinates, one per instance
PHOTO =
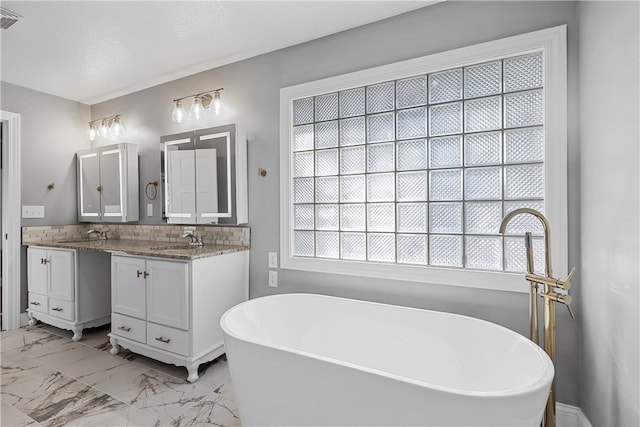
(49, 380)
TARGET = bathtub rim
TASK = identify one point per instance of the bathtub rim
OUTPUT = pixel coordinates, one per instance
(546, 375)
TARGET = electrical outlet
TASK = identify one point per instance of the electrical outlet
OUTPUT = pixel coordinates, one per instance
(273, 259)
(149, 209)
(273, 279)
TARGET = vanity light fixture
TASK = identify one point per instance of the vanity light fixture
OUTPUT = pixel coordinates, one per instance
(202, 103)
(109, 128)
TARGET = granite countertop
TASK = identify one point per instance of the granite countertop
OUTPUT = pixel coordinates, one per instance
(151, 248)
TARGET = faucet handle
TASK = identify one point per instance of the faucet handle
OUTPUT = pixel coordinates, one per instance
(566, 283)
(561, 298)
(573, 316)
(551, 281)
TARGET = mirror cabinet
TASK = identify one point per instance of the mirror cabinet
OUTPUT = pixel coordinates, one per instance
(108, 183)
(204, 174)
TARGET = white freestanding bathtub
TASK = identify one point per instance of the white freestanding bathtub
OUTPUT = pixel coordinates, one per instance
(304, 359)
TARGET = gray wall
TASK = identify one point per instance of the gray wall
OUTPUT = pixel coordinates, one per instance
(609, 154)
(252, 95)
(53, 129)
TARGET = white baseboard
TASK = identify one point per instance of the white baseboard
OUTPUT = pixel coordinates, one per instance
(570, 416)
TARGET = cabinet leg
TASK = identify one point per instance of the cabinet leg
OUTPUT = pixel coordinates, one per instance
(192, 369)
(32, 320)
(77, 333)
(115, 348)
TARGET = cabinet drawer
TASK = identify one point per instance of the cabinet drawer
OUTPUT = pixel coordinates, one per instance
(38, 303)
(61, 308)
(128, 327)
(168, 339)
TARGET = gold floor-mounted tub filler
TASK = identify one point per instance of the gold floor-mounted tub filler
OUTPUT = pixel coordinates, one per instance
(553, 290)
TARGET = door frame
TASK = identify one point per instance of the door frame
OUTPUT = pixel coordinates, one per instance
(11, 226)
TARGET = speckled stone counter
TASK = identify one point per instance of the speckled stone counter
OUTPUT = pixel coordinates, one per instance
(144, 248)
(141, 240)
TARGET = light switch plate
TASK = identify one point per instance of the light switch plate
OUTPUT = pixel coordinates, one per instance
(273, 279)
(149, 209)
(31, 211)
(273, 259)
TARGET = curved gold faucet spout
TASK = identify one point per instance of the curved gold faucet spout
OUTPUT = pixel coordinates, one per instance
(545, 227)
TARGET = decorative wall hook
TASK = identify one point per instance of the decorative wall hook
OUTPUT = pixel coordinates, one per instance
(262, 172)
(51, 186)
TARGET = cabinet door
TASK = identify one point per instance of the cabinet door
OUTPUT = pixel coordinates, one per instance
(128, 286)
(61, 274)
(168, 293)
(89, 186)
(37, 276)
(111, 181)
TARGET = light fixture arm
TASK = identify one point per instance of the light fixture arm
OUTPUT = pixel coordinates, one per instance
(201, 102)
(199, 95)
(107, 127)
(108, 120)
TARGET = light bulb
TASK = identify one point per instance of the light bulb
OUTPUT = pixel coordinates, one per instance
(217, 103)
(178, 113)
(103, 130)
(92, 133)
(197, 110)
(116, 129)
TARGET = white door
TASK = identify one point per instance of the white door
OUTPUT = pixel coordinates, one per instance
(61, 274)
(168, 293)
(37, 272)
(11, 213)
(128, 286)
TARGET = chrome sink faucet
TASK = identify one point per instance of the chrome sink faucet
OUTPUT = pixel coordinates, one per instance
(102, 235)
(195, 239)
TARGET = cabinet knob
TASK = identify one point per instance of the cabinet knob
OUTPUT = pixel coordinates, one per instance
(124, 328)
(43, 260)
(56, 309)
(164, 340)
(146, 274)
(138, 273)
(99, 188)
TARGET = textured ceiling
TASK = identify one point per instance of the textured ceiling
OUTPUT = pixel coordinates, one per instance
(91, 51)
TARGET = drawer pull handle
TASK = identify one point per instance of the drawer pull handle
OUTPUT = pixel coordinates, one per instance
(164, 340)
(35, 303)
(57, 309)
(124, 328)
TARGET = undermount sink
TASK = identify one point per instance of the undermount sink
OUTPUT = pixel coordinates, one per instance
(174, 247)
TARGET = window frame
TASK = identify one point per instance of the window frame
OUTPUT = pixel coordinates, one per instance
(552, 43)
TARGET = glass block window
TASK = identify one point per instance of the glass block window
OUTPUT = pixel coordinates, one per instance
(422, 169)
(404, 172)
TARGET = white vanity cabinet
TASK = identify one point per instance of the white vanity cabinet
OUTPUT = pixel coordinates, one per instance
(108, 183)
(68, 289)
(170, 310)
